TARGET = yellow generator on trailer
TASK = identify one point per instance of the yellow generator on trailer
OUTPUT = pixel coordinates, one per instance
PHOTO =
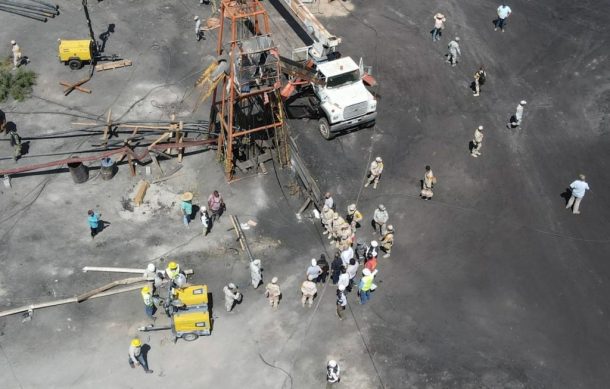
(188, 311)
(75, 53)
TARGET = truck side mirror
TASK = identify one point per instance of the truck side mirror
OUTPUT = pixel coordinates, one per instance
(361, 66)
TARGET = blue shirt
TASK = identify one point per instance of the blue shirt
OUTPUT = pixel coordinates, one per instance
(187, 207)
(504, 11)
(578, 188)
(94, 220)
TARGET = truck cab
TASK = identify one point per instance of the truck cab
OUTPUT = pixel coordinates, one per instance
(345, 103)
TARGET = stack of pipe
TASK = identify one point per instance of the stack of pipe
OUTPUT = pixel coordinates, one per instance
(34, 9)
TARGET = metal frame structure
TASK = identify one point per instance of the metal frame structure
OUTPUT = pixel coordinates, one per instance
(247, 109)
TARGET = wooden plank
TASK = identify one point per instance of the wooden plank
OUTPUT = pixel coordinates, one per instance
(112, 65)
(126, 281)
(123, 270)
(70, 87)
(141, 192)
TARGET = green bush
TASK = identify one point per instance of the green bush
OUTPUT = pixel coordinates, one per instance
(15, 83)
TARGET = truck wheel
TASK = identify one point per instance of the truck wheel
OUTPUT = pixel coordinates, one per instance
(325, 129)
(190, 337)
(75, 64)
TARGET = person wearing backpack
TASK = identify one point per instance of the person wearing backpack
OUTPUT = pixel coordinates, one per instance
(479, 79)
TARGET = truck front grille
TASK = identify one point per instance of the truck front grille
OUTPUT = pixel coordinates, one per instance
(355, 110)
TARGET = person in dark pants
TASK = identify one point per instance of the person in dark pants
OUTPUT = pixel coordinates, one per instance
(94, 222)
(323, 263)
(504, 12)
(136, 357)
(335, 268)
(341, 301)
(216, 205)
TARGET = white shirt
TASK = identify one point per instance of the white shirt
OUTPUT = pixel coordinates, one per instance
(578, 188)
(352, 270)
(504, 11)
(329, 202)
(197, 26)
(344, 279)
(346, 255)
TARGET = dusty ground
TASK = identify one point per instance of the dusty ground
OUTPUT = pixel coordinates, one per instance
(491, 284)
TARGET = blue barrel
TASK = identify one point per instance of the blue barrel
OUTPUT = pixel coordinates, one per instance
(108, 168)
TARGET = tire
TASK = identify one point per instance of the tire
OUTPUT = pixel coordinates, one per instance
(190, 337)
(324, 129)
(370, 124)
(75, 64)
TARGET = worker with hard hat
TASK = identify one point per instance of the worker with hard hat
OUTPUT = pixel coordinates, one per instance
(256, 273)
(136, 357)
(366, 285)
(333, 372)
(232, 296)
(149, 304)
(153, 277)
(273, 293)
(515, 120)
(371, 260)
(375, 172)
(387, 241)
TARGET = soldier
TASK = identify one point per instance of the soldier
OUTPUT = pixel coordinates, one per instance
(387, 241)
(380, 218)
(353, 217)
(453, 51)
(149, 304)
(255, 273)
(477, 142)
(309, 290)
(375, 172)
(17, 55)
(345, 236)
(515, 120)
(479, 79)
(231, 296)
(16, 143)
(337, 226)
(273, 293)
(327, 218)
(428, 183)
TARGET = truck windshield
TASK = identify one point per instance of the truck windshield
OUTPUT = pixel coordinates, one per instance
(343, 79)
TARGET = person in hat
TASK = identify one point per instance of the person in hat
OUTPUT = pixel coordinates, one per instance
(313, 270)
(366, 285)
(337, 226)
(345, 235)
(387, 241)
(17, 54)
(479, 79)
(578, 187)
(326, 217)
(353, 217)
(187, 207)
(380, 218)
(273, 293)
(453, 51)
(198, 30)
(154, 278)
(136, 357)
(149, 304)
(341, 301)
(309, 290)
(477, 142)
(515, 120)
(439, 24)
(256, 273)
(172, 271)
(333, 372)
(372, 250)
(375, 172)
(205, 221)
(232, 296)
(427, 184)
(93, 218)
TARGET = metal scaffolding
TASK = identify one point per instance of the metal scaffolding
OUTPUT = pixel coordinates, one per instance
(247, 111)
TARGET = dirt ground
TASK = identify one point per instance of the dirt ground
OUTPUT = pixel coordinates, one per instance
(491, 284)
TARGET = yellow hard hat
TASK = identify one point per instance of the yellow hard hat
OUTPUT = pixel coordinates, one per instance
(172, 265)
(146, 289)
(135, 342)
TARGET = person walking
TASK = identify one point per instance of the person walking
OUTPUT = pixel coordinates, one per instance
(439, 24)
(333, 372)
(387, 241)
(313, 271)
(186, 206)
(341, 301)
(352, 271)
(504, 12)
(136, 357)
(579, 187)
(366, 284)
(205, 221)
(15, 140)
(232, 296)
(515, 120)
(198, 30)
(479, 79)
(17, 54)
(256, 273)
(149, 304)
(427, 184)
(380, 218)
(309, 290)
(273, 293)
(353, 217)
(453, 51)
(375, 173)
(477, 142)
(94, 222)
(216, 205)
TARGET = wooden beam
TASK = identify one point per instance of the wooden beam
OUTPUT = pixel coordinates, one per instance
(141, 192)
(126, 281)
(113, 65)
(123, 270)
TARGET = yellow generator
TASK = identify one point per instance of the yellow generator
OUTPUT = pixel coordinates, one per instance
(188, 312)
(75, 53)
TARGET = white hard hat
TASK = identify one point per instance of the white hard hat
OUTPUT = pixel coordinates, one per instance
(366, 272)
(151, 267)
(274, 280)
(457, 38)
(390, 227)
(311, 277)
(231, 285)
(382, 207)
(203, 209)
(196, 18)
(374, 243)
(480, 128)
(341, 288)
(351, 207)
(523, 102)
(332, 363)
(13, 43)
(378, 159)
(256, 262)
(313, 262)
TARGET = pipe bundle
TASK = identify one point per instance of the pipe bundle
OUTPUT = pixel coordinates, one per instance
(33, 9)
